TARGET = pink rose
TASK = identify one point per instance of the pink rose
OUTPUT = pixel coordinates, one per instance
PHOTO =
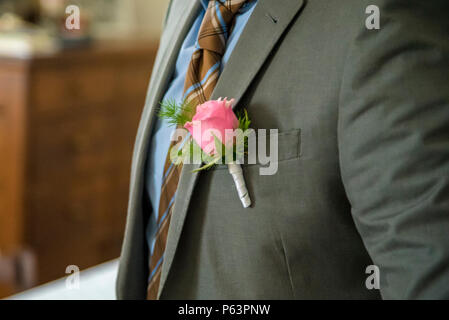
(212, 118)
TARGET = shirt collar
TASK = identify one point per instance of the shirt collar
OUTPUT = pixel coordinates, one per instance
(205, 3)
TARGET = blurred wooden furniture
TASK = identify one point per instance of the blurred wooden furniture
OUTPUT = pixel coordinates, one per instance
(67, 128)
(18, 272)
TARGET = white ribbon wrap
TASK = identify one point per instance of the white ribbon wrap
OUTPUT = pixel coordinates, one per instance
(237, 174)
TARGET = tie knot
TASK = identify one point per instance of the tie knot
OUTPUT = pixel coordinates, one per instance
(230, 6)
(217, 24)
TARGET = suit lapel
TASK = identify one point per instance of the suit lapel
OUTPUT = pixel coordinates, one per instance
(178, 26)
(266, 25)
(183, 12)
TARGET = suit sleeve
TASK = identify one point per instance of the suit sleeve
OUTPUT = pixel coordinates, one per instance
(394, 145)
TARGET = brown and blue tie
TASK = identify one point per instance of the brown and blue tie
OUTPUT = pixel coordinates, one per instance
(201, 79)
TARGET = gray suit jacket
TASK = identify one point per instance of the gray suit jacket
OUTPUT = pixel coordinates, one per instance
(363, 176)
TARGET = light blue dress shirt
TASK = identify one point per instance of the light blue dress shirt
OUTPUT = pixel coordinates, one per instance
(160, 140)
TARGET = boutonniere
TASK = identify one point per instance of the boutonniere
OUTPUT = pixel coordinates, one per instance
(211, 134)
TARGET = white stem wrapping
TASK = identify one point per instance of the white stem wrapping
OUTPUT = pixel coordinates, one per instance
(237, 174)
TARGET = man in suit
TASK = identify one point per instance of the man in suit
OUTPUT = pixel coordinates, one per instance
(363, 155)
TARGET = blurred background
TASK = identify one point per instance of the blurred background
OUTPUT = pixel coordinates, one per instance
(70, 101)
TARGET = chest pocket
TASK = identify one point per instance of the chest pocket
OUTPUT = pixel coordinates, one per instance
(288, 148)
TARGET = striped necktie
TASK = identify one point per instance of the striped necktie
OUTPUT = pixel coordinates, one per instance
(202, 76)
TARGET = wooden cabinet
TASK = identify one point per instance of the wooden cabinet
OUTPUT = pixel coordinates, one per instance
(67, 128)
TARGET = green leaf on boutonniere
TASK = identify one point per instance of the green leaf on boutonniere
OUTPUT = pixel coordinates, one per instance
(215, 161)
(243, 118)
(218, 147)
(176, 114)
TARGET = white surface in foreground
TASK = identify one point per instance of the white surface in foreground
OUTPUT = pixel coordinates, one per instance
(97, 283)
